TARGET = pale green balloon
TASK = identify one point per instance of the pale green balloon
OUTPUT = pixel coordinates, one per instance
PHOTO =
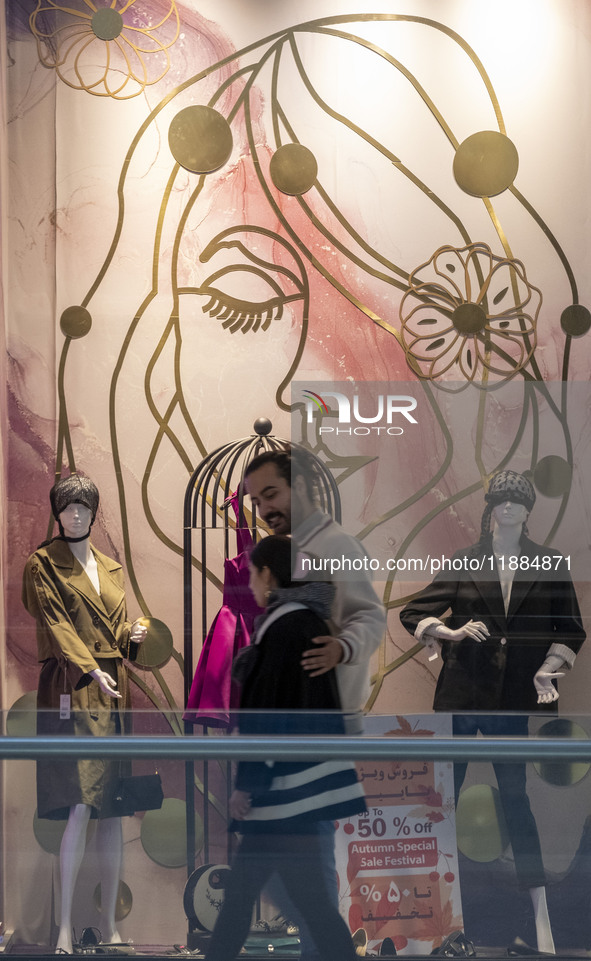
(164, 833)
(481, 829)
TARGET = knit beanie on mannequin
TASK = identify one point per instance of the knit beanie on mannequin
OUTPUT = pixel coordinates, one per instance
(75, 489)
(507, 485)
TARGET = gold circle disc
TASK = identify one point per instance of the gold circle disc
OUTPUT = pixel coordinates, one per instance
(75, 322)
(49, 833)
(21, 719)
(124, 902)
(200, 139)
(486, 163)
(469, 318)
(158, 645)
(553, 476)
(562, 773)
(575, 320)
(293, 169)
(106, 23)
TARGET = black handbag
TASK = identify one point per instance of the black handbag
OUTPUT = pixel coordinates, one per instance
(139, 792)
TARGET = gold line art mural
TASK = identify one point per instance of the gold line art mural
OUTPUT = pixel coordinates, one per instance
(447, 325)
(259, 200)
(343, 198)
(470, 314)
(108, 51)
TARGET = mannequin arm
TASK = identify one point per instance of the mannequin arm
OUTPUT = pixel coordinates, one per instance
(473, 629)
(543, 679)
(105, 682)
(138, 632)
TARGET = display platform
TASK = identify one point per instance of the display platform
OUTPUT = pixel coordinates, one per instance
(161, 952)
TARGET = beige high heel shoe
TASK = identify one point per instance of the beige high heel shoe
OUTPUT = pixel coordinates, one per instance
(360, 942)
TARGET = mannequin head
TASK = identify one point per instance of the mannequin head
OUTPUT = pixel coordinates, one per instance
(75, 521)
(507, 487)
(75, 489)
(509, 514)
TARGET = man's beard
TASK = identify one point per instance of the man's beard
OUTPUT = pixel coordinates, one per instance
(282, 522)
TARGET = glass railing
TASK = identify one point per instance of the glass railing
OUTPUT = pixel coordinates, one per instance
(499, 850)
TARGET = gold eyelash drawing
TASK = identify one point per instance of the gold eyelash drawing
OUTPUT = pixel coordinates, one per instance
(243, 314)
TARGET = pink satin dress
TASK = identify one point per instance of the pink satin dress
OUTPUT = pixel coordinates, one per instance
(213, 695)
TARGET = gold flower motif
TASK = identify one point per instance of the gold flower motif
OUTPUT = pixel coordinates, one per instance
(109, 51)
(468, 313)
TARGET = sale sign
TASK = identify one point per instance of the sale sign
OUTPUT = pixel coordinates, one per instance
(398, 863)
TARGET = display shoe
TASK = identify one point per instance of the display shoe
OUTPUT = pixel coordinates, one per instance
(455, 945)
(278, 925)
(387, 949)
(520, 949)
(90, 936)
(360, 942)
(284, 926)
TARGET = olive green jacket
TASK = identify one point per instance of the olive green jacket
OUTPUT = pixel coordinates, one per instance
(75, 625)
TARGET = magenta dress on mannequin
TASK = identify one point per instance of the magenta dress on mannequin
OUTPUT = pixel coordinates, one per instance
(213, 696)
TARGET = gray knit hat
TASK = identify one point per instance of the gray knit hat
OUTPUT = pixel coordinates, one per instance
(75, 489)
(507, 485)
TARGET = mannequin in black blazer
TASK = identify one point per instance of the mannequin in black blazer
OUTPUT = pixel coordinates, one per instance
(512, 628)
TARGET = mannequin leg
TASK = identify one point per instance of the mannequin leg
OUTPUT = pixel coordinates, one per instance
(464, 725)
(542, 919)
(521, 824)
(109, 842)
(523, 831)
(71, 854)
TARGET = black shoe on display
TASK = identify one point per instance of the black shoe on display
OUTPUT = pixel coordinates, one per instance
(455, 945)
(387, 949)
(90, 936)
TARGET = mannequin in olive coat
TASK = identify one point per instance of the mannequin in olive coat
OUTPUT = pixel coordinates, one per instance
(76, 596)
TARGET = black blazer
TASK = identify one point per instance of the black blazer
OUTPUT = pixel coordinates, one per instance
(497, 674)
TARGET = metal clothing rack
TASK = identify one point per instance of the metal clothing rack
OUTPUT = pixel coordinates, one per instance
(206, 506)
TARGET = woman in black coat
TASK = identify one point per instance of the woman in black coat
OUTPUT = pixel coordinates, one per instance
(513, 625)
(279, 806)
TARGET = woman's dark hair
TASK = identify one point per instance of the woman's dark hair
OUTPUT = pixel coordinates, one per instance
(274, 552)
